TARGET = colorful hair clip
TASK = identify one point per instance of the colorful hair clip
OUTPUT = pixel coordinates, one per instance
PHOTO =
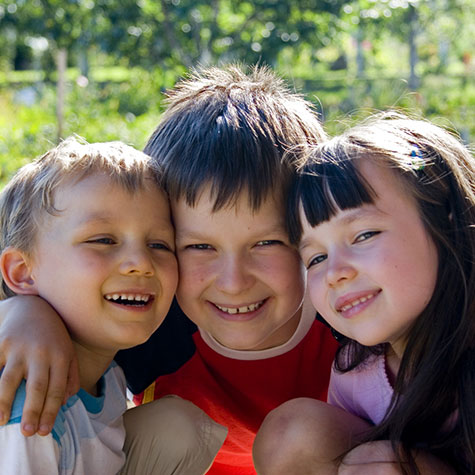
(417, 160)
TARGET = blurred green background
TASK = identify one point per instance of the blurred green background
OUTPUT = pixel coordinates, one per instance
(120, 57)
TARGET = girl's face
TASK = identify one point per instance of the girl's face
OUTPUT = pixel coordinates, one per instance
(372, 269)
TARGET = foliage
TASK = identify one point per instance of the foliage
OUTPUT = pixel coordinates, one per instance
(130, 110)
(343, 54)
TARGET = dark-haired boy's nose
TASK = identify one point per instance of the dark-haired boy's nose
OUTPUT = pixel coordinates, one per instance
(233, 276)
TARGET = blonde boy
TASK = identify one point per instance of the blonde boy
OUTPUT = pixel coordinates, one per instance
(87, 228)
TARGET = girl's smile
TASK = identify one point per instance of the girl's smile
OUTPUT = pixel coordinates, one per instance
(353, 303)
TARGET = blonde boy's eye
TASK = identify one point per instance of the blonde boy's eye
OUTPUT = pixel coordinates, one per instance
(159, 246)
(101, 240)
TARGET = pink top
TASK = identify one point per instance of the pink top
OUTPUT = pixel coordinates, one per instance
(364, 391)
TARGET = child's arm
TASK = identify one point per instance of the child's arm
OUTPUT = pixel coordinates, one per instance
(35, 345)
(378, 458)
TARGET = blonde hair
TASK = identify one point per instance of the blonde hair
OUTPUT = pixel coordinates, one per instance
(31, 191)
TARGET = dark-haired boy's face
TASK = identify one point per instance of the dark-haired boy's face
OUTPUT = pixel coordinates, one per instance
(240, 280)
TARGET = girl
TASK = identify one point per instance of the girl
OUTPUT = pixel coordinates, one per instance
(384, 218)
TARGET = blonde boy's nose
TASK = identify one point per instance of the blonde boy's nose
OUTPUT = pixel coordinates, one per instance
(137, 261)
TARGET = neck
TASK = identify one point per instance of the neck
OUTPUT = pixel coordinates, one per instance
(92, 365)
(393, 360)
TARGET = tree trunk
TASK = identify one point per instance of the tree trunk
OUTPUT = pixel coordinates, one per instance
(61, 86)
(413, 58)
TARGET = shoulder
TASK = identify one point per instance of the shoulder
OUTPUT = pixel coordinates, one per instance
(364, 391)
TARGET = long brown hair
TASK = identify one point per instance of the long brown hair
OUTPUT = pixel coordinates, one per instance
(433, 405)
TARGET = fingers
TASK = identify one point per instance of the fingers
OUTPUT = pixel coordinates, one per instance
(371, 458)
(37, 381)
(42, 355)
(10, 379)
(72, 386)
(63, 383)
(382, 468)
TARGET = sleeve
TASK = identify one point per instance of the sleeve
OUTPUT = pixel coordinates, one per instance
(340, 391)
(35, 455)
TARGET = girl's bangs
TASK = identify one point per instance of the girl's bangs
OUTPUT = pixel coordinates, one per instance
(328, 186)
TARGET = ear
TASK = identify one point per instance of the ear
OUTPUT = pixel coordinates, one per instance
(16, 271)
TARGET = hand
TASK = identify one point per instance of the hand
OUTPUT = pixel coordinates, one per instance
(35, 345)
(378, 458)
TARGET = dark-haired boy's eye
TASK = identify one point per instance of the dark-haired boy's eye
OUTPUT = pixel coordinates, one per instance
(200, 247)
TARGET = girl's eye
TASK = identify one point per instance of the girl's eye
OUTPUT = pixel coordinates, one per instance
(316, 260)
(366, 235)
(268, 242)
(102, 240)
(200, 247)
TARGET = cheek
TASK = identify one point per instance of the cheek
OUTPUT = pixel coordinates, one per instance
(315, 288)
(285, 270)
(192, 274)
(167, 273)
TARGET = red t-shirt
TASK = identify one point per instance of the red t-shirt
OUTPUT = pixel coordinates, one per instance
(238, 388)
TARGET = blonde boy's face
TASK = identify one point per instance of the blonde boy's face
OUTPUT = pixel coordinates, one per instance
(240, 280)
(106, 263)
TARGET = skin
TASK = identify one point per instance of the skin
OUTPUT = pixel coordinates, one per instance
(372, 270)
(305, 436)
(105, 241)
(236, 258)
(211, 271)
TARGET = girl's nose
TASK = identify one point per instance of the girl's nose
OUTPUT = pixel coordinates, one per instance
(339, 270)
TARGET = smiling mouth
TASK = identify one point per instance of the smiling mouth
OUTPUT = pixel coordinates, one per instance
(245, 309)
(354, 303)
(134, 300)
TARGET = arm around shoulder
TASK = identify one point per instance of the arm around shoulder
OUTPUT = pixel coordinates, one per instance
(35, 345)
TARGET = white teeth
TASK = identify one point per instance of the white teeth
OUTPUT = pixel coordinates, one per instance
(355, 302)
(132, 297)
(245, 309)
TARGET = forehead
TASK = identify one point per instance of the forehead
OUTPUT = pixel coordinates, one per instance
(98, 192)
(390, 196)
(238, 214)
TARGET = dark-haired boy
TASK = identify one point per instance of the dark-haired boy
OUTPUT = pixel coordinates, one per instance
(227, 145)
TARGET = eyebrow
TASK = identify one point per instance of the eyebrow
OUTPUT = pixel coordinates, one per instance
(203, 236)
(349, 217)
(95, 218)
